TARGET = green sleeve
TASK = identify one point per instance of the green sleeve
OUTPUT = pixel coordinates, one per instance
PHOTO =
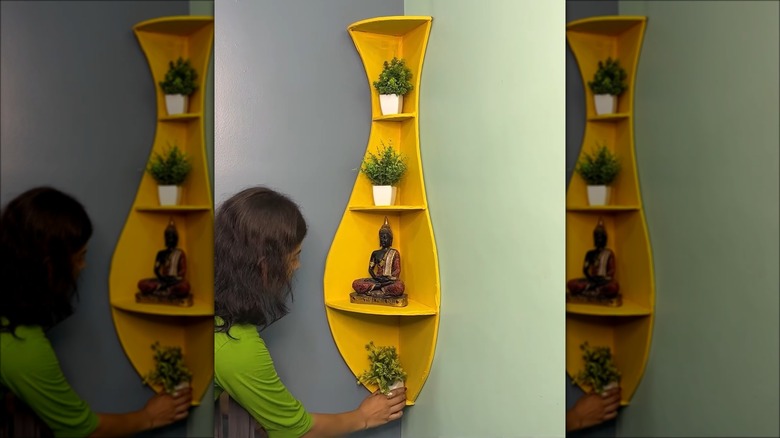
(30, 369)
(245, 370)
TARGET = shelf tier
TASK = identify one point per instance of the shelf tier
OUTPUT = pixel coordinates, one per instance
(628, 337)
(199, 307)
(413, 336)
(395, 117)
(609, 118)
(139, 325)
(181, 118)
(629, 308)
(195, 336)
(626, 330)
(607, 209)
(412, 329)
(173, 208)
(386, 208)
(414, 308)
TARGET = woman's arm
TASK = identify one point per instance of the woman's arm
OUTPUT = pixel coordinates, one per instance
(376, 410)
(160, 410)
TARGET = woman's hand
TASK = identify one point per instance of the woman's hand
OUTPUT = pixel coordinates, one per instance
(378, 409)
(164, 409)
(593, 409)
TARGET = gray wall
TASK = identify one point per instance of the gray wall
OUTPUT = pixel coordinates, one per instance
(293, 112)
(575, 129)
(77, 108)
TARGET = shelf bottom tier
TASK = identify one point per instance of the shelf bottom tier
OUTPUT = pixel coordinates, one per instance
(413, 336)
(195, 335)
(628, 337)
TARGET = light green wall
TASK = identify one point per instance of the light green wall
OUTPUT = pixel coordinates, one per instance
(492, 122)
(707, 150)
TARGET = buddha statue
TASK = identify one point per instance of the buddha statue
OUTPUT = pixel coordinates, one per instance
(599, 283)
(384, 268)
(170, 267)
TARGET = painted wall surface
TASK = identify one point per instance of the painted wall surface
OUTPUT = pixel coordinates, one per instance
(293, 112)
(707, 140)
(78, 112)
(492, 141)
(575, 129)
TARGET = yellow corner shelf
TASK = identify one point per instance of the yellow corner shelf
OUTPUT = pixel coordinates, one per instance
(627, 329)
(412, 329)
(138, 326)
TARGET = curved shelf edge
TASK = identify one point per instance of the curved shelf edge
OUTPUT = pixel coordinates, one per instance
(414, 308)
(605, 25)
(175, 25)
(629, 308)
(395, 25)
(198, 309)
(402, 117)
(173, 208)
(188, 117)
(603, 208)
(387, 208)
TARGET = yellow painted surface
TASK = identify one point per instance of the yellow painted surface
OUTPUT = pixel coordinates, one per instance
(412, 329)
(627, 330)
(140, 325)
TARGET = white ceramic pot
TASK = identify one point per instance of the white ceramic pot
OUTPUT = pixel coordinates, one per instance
(605, 104)
(169, 195)
(391, 104)
(176, 104)
(396, 385)
(384, 195)
(609, 386)
(599, 195)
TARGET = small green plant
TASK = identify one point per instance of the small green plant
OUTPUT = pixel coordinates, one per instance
(599, 370)
(385, 168)
(610, 78)
(385, 368)
(169, 168)
(395, 78)
(180, 78)
(598, 168)
(169, 370)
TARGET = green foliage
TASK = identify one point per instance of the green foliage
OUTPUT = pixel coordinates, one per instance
(385, 368)
(599, 370)
(169, 168)
(385, 168)
(395, 78)
(610, 78)
(599, 168)
(169, 370)
(180, 78)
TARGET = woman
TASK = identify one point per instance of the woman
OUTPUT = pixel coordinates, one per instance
(258, 236)
(43, 244)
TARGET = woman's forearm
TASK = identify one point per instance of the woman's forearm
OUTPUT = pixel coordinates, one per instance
(336, 425)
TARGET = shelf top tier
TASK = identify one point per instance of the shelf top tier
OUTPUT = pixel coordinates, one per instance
(609, 25)
(178, 25)
(391, 25)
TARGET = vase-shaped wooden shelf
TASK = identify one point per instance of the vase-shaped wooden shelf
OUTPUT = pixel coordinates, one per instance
(627, 329)
(139, 325)
(411, 329)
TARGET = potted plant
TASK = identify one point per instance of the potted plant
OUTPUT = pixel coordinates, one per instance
(384, 170)
(385, 369)
(599, 169)
(178, 85)
(608, 83)
(169, 370)
(394, 82)
(600, 373)
(169, 169)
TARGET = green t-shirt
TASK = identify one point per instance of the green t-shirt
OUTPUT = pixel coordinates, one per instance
(243, 367)
(29, 368)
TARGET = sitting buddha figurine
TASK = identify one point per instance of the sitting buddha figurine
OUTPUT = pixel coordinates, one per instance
(170, 267)
(384, 267)
(599, 285)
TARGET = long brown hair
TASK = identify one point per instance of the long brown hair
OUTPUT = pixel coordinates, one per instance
(255, 232)
(40, 232)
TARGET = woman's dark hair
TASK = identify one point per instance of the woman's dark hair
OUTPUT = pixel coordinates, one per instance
(255, 233)
(41, 231)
